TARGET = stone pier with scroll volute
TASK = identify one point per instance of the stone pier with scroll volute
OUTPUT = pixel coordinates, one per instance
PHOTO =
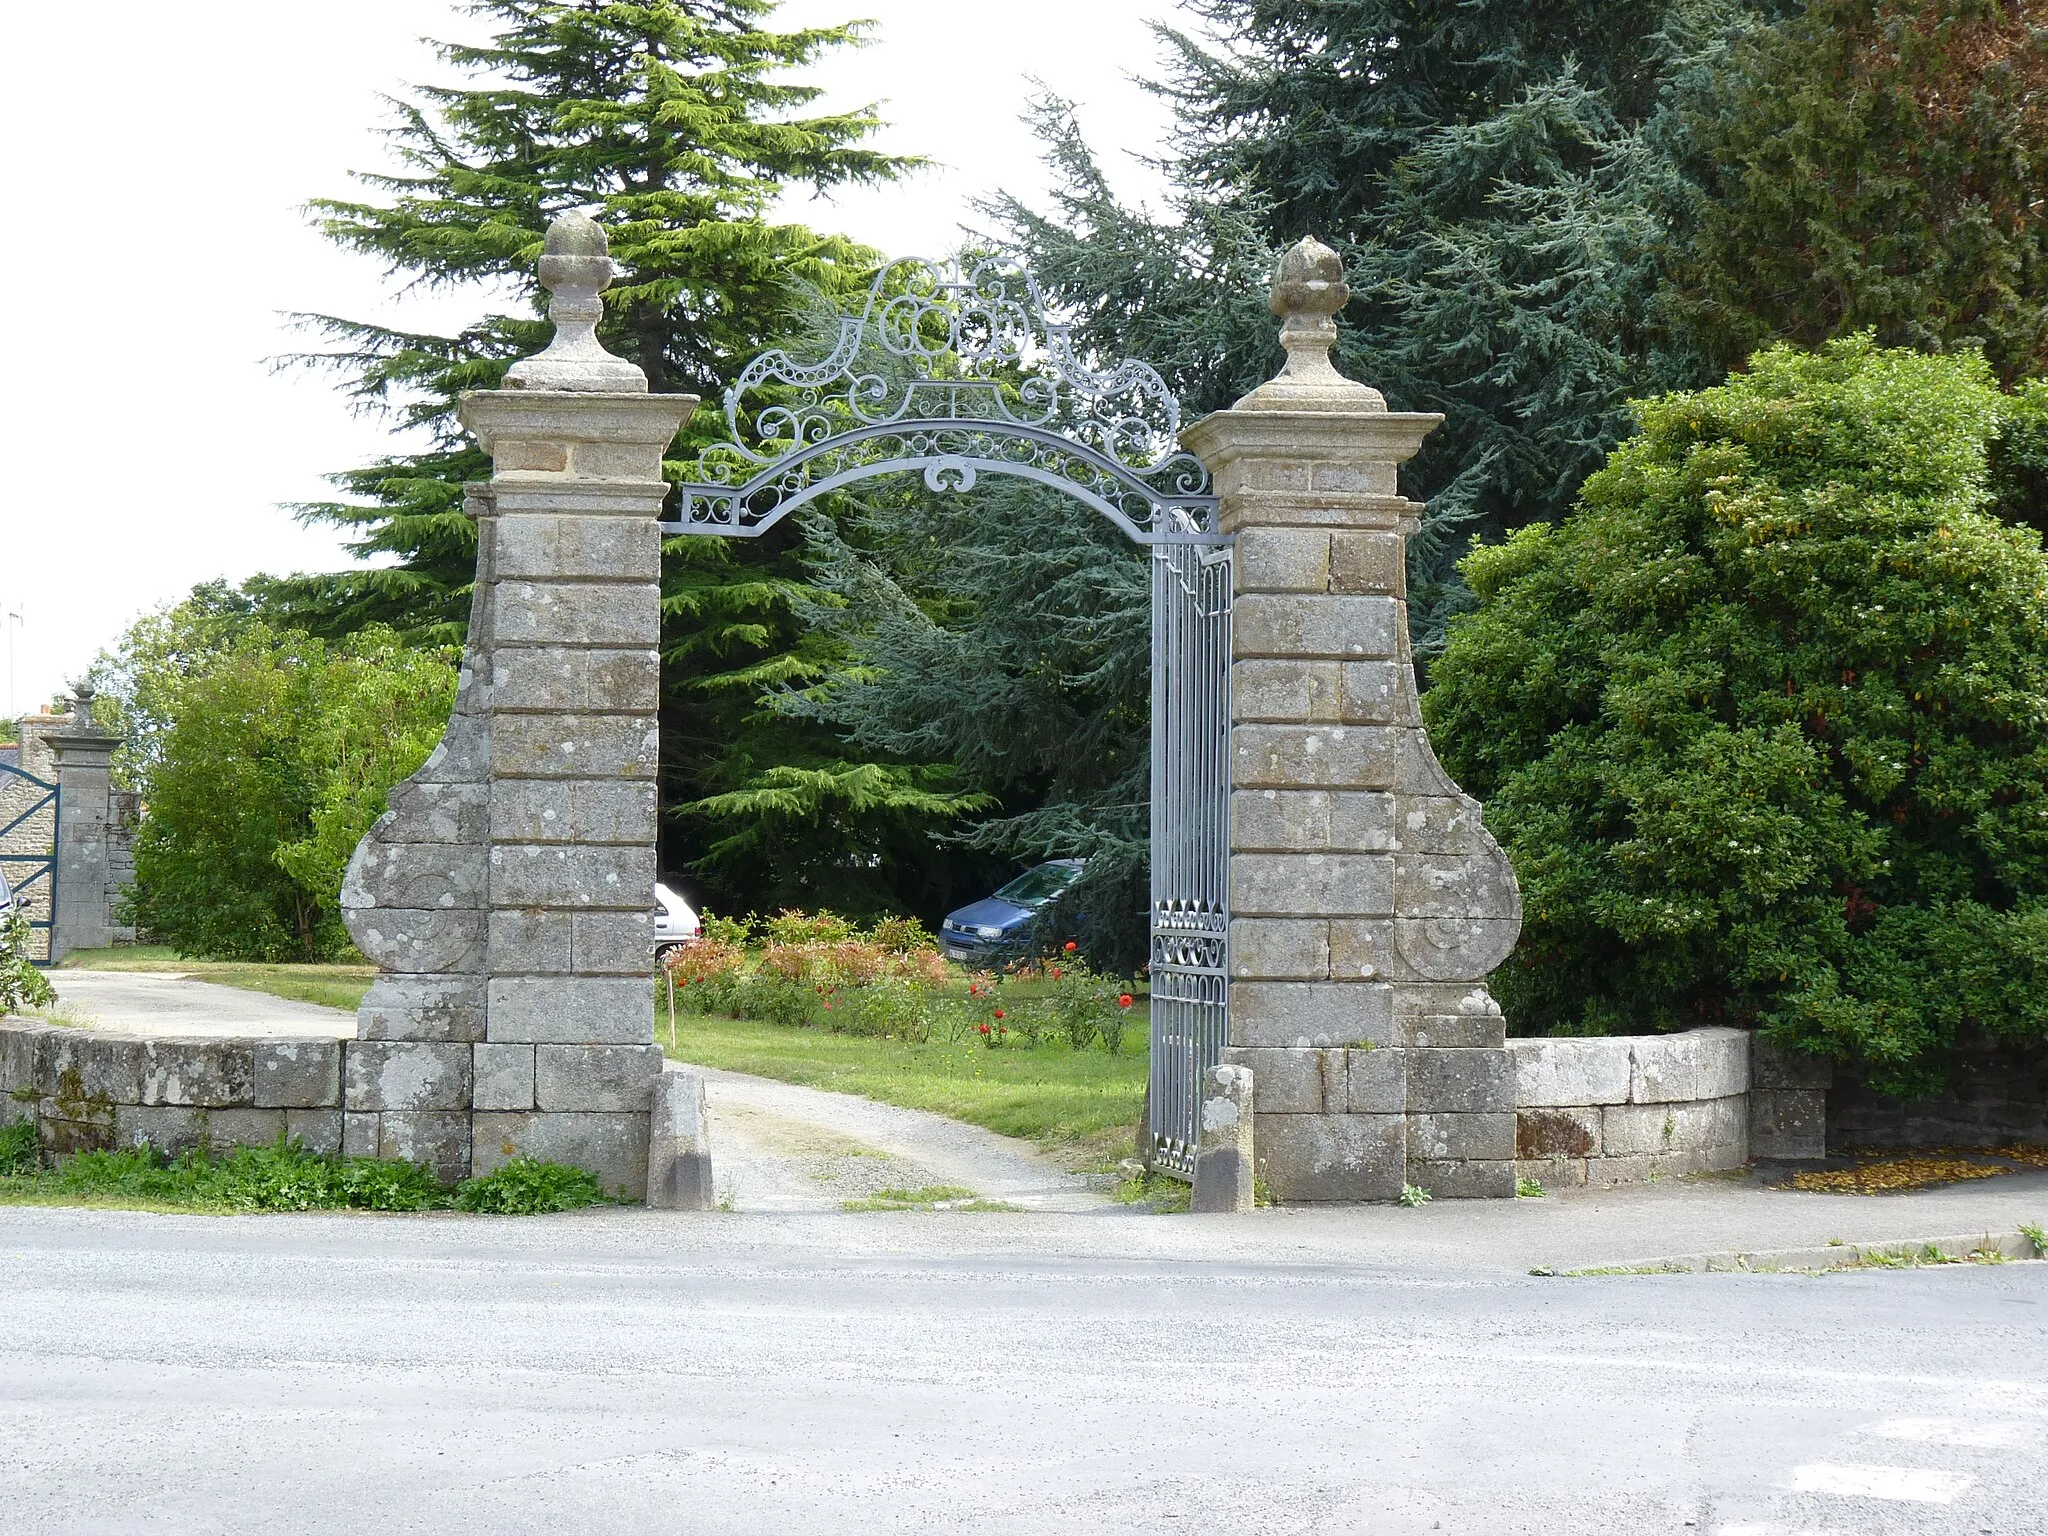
(1368, 901)
(505, 895)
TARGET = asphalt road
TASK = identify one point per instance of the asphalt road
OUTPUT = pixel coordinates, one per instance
(1042, 1372)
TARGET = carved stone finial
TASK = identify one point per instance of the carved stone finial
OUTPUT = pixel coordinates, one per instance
(575, 267)
(1307, 295)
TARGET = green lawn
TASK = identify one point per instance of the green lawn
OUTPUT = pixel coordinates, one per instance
(331, 986)
(1082, 1105)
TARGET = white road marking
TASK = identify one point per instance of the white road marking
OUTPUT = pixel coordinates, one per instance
(1951, 1432)
(1906, 1483)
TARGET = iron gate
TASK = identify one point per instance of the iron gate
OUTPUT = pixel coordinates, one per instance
(1191, 593)
(960, 372)
(28, 852)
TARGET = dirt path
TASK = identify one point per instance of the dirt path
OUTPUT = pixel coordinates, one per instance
(169, 1003)
(778, 1147)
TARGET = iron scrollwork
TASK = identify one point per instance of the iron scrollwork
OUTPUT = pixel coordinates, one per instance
(954, 372)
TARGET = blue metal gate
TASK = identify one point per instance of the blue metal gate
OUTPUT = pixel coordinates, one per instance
(959, 372)
(28, 852)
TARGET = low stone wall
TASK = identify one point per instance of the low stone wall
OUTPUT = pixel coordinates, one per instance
(92, 1089)
(1625, 1109)
(1997, 1094)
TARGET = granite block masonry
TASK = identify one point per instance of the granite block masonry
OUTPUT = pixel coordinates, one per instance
(505, 894)
(1368, 901)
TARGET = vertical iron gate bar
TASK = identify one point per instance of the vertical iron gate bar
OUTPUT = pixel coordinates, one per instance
(1191, 614)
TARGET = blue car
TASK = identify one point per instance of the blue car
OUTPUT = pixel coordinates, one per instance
(992, 931)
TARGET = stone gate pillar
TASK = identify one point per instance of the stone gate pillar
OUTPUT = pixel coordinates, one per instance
(1368, 902)
(81, 753)
(506, 894)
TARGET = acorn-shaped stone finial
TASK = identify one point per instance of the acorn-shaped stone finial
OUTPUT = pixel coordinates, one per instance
(1307, 294)
(575, 267)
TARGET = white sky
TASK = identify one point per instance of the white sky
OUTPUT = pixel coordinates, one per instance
(158, 157)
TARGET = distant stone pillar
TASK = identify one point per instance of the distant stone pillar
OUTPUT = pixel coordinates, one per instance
(81, 754)
(1368, 901)
(506, 893)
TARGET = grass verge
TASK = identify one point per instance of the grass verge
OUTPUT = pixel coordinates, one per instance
(1081, 1106)
(330, 986)
(282, 1177)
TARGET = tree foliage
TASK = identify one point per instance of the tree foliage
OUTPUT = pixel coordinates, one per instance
(678, 124)
(262, 757)
(1878, 163)
(1764, 724)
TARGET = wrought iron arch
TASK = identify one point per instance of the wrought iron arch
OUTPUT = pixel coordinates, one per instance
(959, 372)
(955, 373)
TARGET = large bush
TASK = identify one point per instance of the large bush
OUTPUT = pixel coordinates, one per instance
(264, 757)
(1764, 724)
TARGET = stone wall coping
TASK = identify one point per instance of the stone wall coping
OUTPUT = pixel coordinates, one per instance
(1711, 1062)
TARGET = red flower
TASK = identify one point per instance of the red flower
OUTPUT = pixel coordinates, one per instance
(999, 1013)
(1055, 973)
(1124, 1000)
(983, 1028)
(1071, 946)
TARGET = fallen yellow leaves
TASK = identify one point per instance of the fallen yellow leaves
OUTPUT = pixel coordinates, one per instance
(1894, 1176)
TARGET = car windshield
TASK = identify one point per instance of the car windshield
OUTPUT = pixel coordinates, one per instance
(1035, 887)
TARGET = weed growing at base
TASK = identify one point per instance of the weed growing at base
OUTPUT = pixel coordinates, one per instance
(280, 1177)
(936, 1197)
(526, 1186)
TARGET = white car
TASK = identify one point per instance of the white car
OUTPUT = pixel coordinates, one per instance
(675, 922)
(6, 898)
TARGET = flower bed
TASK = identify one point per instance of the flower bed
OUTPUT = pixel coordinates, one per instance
(816, 970)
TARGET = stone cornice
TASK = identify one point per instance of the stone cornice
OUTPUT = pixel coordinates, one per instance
(573, 416)
(1381, 437)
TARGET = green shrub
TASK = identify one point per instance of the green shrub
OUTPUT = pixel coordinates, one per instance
(286, 1177)
(262, 755)
(529, 1187)
(21, 984)
(281, 1177)
(1764, 724)
(20, 1152)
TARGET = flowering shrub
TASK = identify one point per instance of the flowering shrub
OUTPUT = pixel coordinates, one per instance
(1086, 1006)
(903, 936)
(792, 927)
(815, 970)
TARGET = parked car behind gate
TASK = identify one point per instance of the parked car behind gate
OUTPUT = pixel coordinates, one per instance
(675, 921)
(993, 930)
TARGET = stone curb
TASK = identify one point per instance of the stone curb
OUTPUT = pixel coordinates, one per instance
(2014, 1246)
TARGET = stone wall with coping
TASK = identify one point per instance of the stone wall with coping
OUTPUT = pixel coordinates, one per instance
(1626, 1109)
(89, 1090)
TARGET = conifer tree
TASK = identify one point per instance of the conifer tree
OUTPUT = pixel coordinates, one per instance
(1501, 180)
(1879, 165)
(676, 125)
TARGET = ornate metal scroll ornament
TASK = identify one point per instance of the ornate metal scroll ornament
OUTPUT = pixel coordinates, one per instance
(955, 372)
